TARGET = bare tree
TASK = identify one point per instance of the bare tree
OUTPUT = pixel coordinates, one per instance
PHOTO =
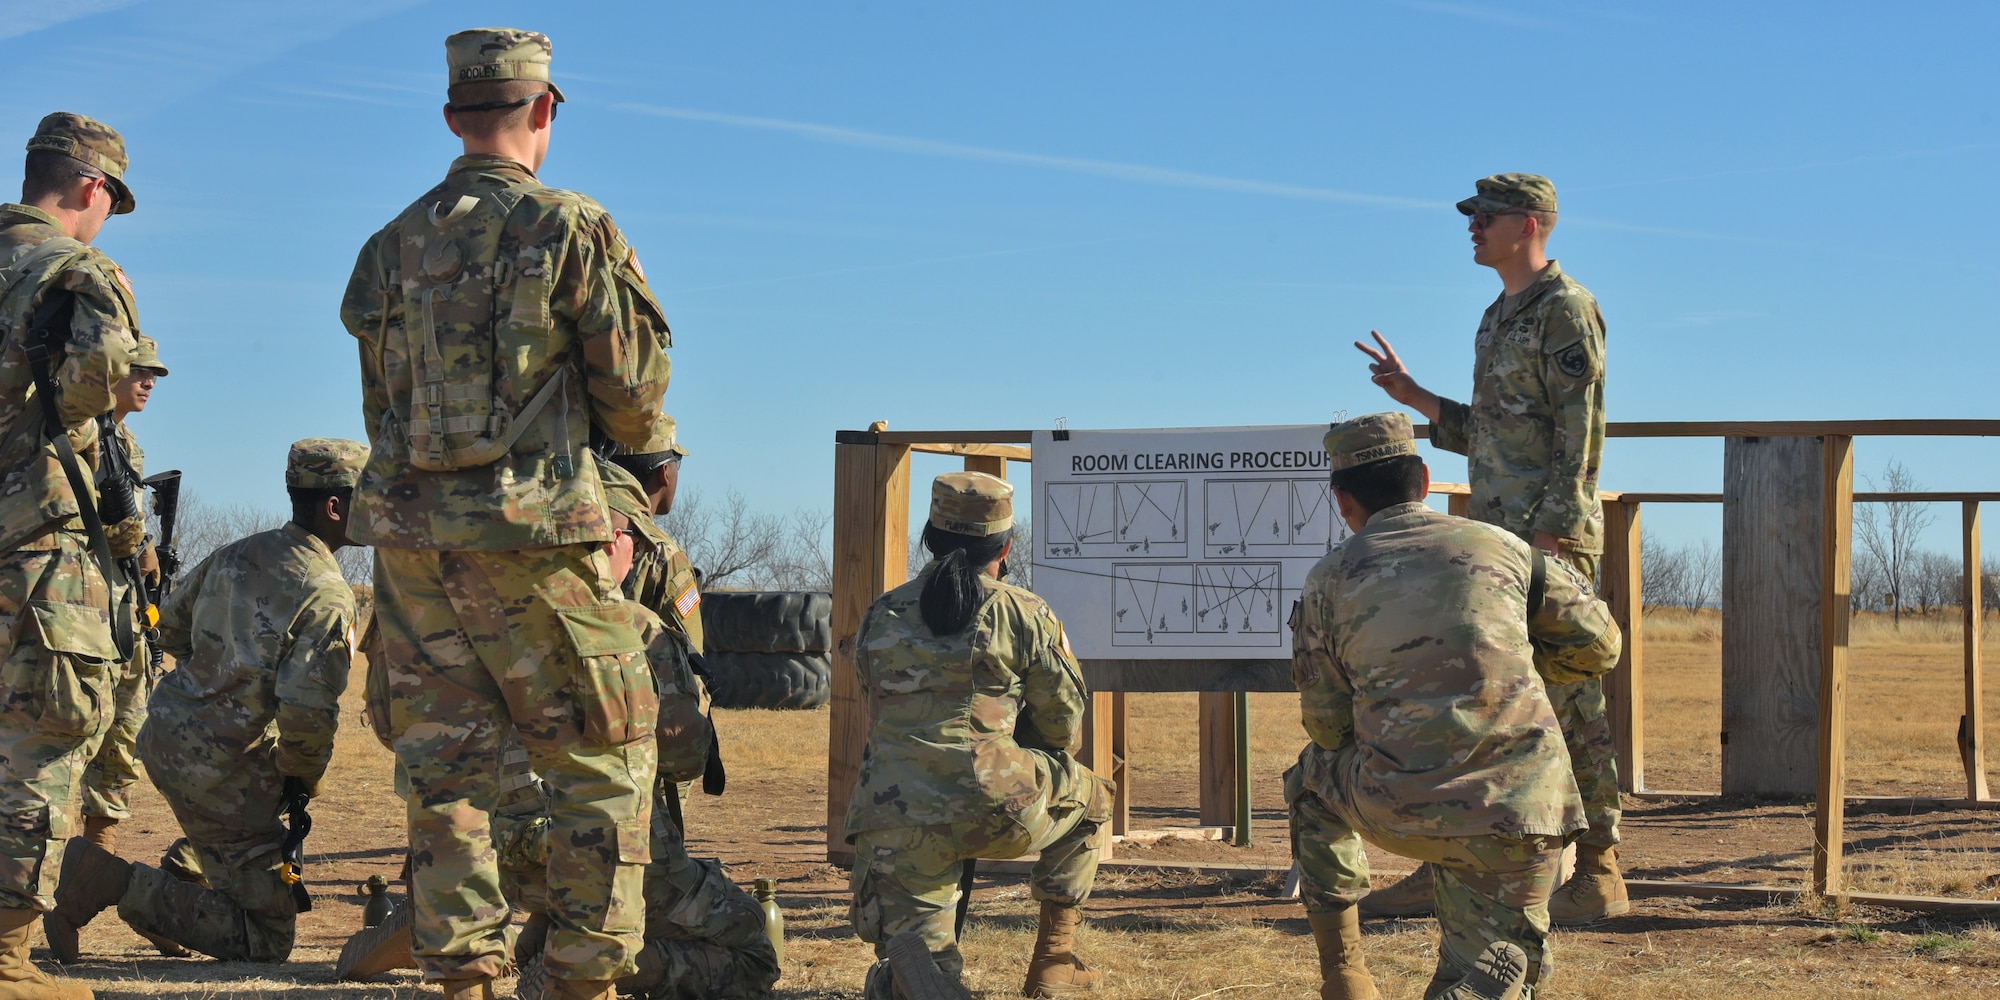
(723, 541)
(1889, 531)
(1864, 581)
(1020, 558)
(1686, 576)
(803, 556)
(202, 527)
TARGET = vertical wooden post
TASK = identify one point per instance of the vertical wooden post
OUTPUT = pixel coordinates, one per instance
(1121, 772)
(1836, 541)
(1625, 689)
(871, 540)
(1216, 717)
(1099, 753)
(1458, 504)
(1972, 725)
(992, 465)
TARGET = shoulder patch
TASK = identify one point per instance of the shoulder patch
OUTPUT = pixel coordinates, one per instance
(119, 273)
(1573, 360)
(689, 600)
(632, 261)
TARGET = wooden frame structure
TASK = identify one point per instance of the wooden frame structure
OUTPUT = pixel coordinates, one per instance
(871, 538)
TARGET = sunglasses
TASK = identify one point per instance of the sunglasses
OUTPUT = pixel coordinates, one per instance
(462, 109)
(1480, 220)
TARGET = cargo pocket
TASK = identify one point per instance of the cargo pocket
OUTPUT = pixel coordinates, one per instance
(635, 842)
(616, 700)
(75, 690)
(375, 704)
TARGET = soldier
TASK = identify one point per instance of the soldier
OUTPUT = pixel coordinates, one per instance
(114, 769)
(62, 647)
(1432, 736)
(261, 632)
(1534, 436)
(977, 705)
(499, 322)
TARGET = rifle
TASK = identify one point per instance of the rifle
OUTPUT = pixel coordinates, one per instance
(166, 487)
(298, 823)
(118, 500)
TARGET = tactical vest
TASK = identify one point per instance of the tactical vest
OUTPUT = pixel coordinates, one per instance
(453, 276)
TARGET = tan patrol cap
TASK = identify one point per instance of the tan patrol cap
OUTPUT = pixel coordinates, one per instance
(972, 503)
(1370, 437)
(665, 438)
(623, 492)
(325, 463)
(478, 55)
(95, 143)
(148, 356)
(1511, 193)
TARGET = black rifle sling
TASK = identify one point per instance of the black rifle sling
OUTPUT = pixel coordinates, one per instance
(56, 309)
(1538, 583)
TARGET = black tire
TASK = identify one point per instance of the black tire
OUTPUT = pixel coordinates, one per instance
(769, 621)
(769, 680)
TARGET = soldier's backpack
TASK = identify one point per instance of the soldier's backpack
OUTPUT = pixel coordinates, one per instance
(453, 274)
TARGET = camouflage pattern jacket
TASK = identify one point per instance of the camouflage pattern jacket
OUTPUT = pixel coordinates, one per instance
(1411, 644)
(260, 632)
(663, 579)
(35, 497)
(1534, 432)
(951, 714)
(580, 309)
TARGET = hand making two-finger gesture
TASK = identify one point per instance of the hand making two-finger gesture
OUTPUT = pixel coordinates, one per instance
(1387, 371)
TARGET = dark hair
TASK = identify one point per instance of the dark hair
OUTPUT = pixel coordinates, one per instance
(953, 594)
(641, 466)
(1383, 483)
(485, 124)
(307, 500)
(48, 172)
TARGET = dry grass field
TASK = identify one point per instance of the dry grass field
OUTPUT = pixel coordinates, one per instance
(1178, 934)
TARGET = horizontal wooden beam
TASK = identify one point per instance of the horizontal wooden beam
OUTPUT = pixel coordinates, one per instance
(1451, 489)
(1011, 452)
(1642, 888)
(1912, 801)
(951, 437)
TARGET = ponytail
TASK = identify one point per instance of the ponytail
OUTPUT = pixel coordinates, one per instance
(952, 595)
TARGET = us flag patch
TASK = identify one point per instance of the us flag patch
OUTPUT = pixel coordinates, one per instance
(689, 600)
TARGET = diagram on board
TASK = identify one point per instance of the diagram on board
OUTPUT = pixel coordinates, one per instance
(1135, 519)
(1315, 523)
(1153, 601)
(1240, 601)
(1268, 517)
(1197, 604)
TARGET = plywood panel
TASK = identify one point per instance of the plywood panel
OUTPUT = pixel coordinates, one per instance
(1625, 688)
(1217, 739)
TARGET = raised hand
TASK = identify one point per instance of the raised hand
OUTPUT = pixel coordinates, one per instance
(1387, 371)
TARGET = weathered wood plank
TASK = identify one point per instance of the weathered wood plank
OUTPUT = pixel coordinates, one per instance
(1836, 524)
(1625, 688)
(1972, 724)
(1216, 737)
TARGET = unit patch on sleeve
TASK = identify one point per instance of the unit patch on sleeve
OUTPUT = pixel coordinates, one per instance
(689, 600)
(1574, 360)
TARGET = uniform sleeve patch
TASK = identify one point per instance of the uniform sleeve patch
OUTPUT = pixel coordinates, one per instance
(1573, 360)
(689, 600)
(1063, 634)
(632, 261)
(119, 273)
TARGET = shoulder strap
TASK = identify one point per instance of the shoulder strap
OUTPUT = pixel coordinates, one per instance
(49, 249)
(1538, 581)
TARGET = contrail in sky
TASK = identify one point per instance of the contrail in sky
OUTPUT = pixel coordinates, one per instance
(1095, 168)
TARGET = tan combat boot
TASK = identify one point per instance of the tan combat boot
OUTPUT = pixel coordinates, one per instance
(1595, 891)
(1498, 975)
(913, 973)
(375, 950)
(1054, 968)
(535, 983)
(19, 979)
(92, 879)
(1343, 972)
(1414, 896)
(476, 988)
(102, 831)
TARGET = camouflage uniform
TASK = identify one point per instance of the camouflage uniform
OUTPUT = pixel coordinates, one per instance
(968, 757)
(114, 764)
(1431, 734)
(495, 600)
(59, 663)
(1533, 437)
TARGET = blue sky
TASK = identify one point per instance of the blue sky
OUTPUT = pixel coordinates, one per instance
(954, 215)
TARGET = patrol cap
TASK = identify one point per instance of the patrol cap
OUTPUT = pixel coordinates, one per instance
(1370, 437)
(478, 55)
(623, 492)
(1511, 193)
(325, 463)
(148, 356)
(664, 438)
(972, 503)
(95, 143)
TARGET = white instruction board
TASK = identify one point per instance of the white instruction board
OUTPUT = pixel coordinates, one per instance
(1187, 543)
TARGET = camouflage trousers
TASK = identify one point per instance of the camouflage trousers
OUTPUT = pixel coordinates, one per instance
(230, 807)
(704, 934)
(1489, 888)
(1593, 750)
(906, 878)
(114, 761)
(478, 645)
(57, 667)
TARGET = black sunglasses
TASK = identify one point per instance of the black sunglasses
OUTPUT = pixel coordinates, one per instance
(462, 109)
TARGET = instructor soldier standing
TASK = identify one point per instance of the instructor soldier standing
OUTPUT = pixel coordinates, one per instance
(499, 321)
(59, 658)
(1534, 438)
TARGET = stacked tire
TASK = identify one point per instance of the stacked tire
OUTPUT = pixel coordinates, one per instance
(768, 649)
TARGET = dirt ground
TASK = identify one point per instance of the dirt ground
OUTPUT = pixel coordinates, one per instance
(1185, 933)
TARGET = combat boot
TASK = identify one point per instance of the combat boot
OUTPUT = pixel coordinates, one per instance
(535, 983)
(375, 950)
(475, 988)
(1498, 975)
(1054, 968)
(914, 974)
(92, 879)
(102, 831)
(533, 935)
(1343, 972)
(1414, 896)
(1595, 891)
(19, 979)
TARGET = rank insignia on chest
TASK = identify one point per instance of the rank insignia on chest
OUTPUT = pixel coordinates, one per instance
(1573, 360)
(689, 600)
